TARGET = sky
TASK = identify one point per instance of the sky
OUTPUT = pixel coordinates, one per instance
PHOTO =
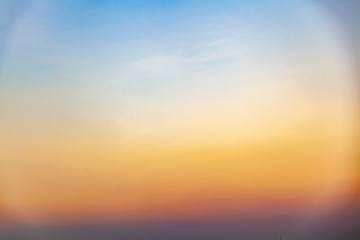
(196, 112)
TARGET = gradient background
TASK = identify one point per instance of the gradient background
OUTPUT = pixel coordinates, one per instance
(179, 119)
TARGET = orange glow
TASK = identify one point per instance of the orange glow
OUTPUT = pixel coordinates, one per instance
(109, 175)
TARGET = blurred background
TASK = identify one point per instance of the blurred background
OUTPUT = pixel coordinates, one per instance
(179, 119)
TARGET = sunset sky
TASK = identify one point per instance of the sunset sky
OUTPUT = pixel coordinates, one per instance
(157, 110)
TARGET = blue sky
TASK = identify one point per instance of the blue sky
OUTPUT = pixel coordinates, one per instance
(119, 58)
(97, 34)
